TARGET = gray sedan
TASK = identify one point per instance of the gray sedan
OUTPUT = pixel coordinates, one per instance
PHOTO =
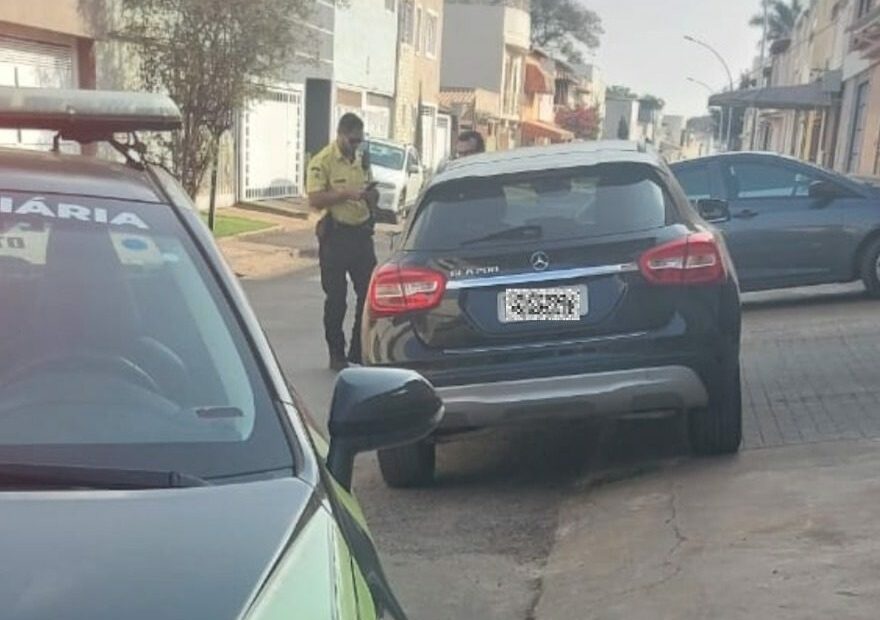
(788, 223)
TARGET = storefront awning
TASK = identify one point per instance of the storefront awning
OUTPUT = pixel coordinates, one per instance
(537, 80)
(537, 129)
(800, 97)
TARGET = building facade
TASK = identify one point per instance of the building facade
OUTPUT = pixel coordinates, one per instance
(48, 44)
(819, 92)
(484, 48)
(365, 62)
(538, 108)
(858, 151)
(419, 49)
(621, 118)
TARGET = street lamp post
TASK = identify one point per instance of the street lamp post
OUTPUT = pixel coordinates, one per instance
(710, 90)
(729, 77)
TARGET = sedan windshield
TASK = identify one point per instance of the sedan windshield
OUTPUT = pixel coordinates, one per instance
(121, 351)
(386, 156)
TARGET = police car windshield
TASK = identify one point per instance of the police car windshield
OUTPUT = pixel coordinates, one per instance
(115, 336)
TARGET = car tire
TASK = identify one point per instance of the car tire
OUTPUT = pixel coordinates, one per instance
(871, 269)
(409, 466)
(717, 429)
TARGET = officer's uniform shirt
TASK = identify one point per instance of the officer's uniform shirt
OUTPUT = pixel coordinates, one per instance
(331, 169)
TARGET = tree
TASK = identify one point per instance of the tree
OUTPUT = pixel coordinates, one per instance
(623, 129)
(212, 57)
(582, 121)
(620, 92)
(652, 103)
(565, 27)
(781, 18)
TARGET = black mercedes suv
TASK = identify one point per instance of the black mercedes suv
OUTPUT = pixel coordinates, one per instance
(556, 283)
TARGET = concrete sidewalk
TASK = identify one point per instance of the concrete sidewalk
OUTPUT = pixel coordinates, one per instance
(787, 533)
(283, 247)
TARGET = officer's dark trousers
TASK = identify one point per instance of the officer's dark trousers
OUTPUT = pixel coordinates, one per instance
(344, 252)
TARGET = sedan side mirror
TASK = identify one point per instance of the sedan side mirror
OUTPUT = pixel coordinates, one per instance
(714, 211)
(824, 190)
(378, 408)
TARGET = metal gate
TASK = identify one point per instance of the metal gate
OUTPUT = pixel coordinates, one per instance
(271, 141)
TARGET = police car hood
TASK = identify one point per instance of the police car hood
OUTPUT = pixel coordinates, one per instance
(142, 555)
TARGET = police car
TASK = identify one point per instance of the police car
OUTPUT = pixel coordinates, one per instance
(153, 461)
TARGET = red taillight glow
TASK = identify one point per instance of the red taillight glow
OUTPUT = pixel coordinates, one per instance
(695, 259)
(395, 290)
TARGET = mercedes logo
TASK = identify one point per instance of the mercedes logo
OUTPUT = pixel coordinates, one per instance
(540, 261)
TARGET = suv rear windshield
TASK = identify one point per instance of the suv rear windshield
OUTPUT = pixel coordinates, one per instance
(596, 201)
(119, 348)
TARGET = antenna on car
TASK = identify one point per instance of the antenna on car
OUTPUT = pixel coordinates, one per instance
(88, 116)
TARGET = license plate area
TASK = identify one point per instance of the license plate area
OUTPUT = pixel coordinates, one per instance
(556, 304)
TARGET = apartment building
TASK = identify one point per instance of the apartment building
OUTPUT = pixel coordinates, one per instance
(818, 96)
(418, 118)
(484, 49)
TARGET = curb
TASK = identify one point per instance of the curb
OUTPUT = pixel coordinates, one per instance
(273, 210)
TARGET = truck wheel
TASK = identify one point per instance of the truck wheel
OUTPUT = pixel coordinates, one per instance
(717, 429)
(408, 466)
(871, 269)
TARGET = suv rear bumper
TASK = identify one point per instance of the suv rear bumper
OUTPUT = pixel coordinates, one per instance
(618, 392)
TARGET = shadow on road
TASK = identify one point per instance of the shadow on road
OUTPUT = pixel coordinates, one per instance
(554, 454)
(806, 297)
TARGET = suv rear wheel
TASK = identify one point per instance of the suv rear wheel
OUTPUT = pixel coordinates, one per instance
(871, 269)
(409, 466)
(717, 429)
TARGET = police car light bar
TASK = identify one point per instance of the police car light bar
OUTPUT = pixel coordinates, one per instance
(86, 115)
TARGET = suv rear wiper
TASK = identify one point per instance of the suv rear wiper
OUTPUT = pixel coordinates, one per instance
(37, 474)
(531, 231)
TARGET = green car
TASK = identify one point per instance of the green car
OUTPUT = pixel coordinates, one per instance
(154, 462)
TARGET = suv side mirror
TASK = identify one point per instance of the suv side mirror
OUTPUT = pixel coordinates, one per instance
(377, 408)
(414, 168)
(713, 211)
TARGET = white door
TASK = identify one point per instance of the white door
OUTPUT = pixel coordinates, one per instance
(272, 145)
(444, 138)
(415, 176)
(25, 63)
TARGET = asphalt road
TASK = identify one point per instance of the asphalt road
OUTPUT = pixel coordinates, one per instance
(475, 545)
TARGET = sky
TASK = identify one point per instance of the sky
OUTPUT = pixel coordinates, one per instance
(644, 48)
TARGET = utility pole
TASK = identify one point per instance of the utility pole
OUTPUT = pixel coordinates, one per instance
(729, 78)
(755, 111)
(711, 91)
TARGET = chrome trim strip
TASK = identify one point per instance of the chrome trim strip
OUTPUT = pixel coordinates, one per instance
(536, 277)
(559, 344)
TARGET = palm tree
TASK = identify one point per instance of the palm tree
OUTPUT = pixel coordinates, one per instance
(781, 18)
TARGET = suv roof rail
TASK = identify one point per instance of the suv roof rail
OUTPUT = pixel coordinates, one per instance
(86, 115)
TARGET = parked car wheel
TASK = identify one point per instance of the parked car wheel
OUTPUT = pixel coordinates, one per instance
(717, 429)
(408, 466)
(871, 269)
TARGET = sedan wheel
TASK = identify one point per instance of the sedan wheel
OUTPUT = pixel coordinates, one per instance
(871, 269)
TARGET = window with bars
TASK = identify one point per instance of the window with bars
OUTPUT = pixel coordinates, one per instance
(407, 15)
(430, 34)
(418, 32)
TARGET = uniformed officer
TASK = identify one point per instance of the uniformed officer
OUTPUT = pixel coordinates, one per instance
(338, 183)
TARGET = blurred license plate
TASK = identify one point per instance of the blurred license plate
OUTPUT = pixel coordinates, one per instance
(542, 304)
